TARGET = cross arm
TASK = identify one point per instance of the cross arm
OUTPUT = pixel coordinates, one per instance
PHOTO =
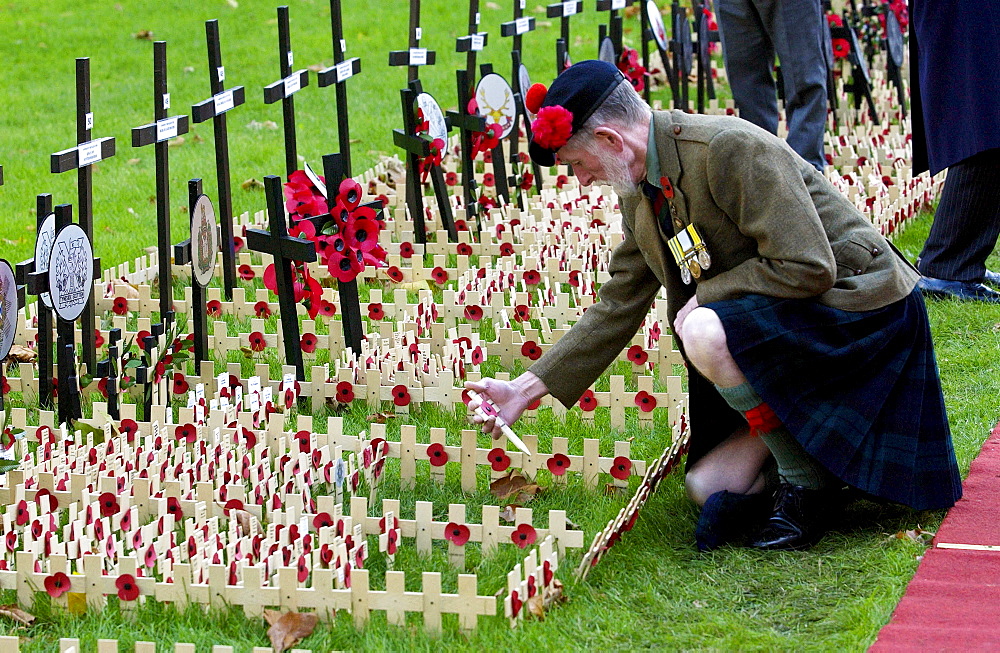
(466, 121)
(295, 249)
(406, 57)
(83, 154)
(472, 42)
(613, 5)
(284, 88)
(338, 73)
(412, 144)
(182, 252)
(564, 9)
(518, 27)
(218, 104)
(161, 130)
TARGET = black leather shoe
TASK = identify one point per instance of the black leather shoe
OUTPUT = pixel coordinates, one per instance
(992, 278)
(795, 523)
(729, 518)
(963, 290)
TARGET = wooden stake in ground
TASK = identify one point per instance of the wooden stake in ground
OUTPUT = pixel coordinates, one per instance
(159, 132)
(81, 158)
(341, 71)
(285, 88)
(563, 11)
(520, 82)
(25, 274)
(614, 28)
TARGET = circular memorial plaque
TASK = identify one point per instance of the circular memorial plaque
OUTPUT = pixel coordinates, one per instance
(204, 241)
(607, 52)
(656, 24)
(437, 127)
(71, 272)
(857, 57)
(683, 33)
(43, 249)
(8, 308)
(894, 38)
(496, 102)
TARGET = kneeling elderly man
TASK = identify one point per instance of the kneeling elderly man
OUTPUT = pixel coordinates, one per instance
(805, 339)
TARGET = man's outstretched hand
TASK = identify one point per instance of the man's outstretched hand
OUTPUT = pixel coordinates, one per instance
(510, 397)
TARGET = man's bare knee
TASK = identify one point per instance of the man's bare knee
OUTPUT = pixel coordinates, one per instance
(700, 484)
(704, 336)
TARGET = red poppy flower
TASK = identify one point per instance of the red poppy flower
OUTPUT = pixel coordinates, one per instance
(174, 508)
(457, 534)
(558, 464)
(522, 313)
(588, 401)
(437, 455)
(309, 342)
(489, 180)
(531, 350)
(637, 354)
(128, 590)
(213, 308)
(464, 249)
(561, 181)
(109, 504)
(120, 306)
(524, 536)
(401, 395)
(98, 338)
(129, 428)
(57, 584)
(180, 384)
(834, 20)
(375, 312)
(186, 433)
(327, 309)
(262, 309)
(621, 467)
(477, 356)
(22, 513)
(574, 278)
(345, 392)
(535, 404)
(499, 460)
(405, 250)
(531, 277)
(506, 249)
(440, 275)
(451, 179)
(527, 181)
(473, 312)
(645, 401)
(102, 387)
(257, 342)
(394, 273)
(841, 48)
(246, 272)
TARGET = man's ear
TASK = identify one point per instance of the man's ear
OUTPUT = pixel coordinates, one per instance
(610, 137)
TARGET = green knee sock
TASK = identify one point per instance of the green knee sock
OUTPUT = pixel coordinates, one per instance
(795, 465)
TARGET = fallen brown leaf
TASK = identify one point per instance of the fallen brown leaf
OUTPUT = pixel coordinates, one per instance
(513, 484)
(22, 354)
(143, 35)
(195, 138)
(381, 418)
(508, 512)
(17, 614)
(132, 162)
(250, 184)
(544, 601)
(918, 535)
(632, 12)
(287, 629)
(176, 142)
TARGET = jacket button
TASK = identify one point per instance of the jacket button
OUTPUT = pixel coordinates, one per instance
(677, 129)
(858, 271)
(876, 251)
(678, 224)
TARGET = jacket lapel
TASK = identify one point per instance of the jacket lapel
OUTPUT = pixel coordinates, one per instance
(670, 164)
(651, 243)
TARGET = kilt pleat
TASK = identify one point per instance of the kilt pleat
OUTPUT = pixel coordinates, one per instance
(859, 390)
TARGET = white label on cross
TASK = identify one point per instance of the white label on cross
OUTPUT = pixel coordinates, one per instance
(569, 8)
(291, 58)
(617, 4)
(418, 56)
(166, 129)
(166, 100)
(420, 33)
(345, 70)
(522, 25)
(478, 17)
(89, 120)
(522, 4)
(89, 153)
(224, 102)
(477, 42)
(343, 45)
(199, 391)
(292, 84)
(221, 73)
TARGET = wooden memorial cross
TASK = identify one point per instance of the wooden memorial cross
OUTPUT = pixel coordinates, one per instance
(110, 368)
(415, 56)
(286, 250)
(11, 302)
(341, 71)
(184, 254)
(467, 125)
(45, 231)
(159, 132)
(563, 11)
(861, 84)
(145, 374)
(893, 45)
(705, 39)
(517, 28)
(80, 158)
(655, 31)
(215, 107)
(682, 50)
(285, 88)
(499, 167)
(614, 29)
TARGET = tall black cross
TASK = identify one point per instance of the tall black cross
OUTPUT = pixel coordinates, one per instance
(467, 124)
(499, 167)
(19, 304)
(215, 107)
(159, 132)
(341, 71)
(893, 45)
(154, 391)
(563, 11)
(647, 36)
(23, 272)
(69, 384)
(285, 88)
(110, 368)
(286, 251)
(706, 37)
(517, 28)
(682, 50)
(614, 27)
(473, 43)
(415, 56)
(184, 256)
(81, 158)
(861, 85)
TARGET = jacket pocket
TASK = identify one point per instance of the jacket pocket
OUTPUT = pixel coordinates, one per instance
(855, 256)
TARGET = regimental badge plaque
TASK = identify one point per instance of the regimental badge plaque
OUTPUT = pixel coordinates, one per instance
(43, 249)
(8, 308)
(656, 23)
(204, 240)
(496, 103)
(437, 128)
(71, 272)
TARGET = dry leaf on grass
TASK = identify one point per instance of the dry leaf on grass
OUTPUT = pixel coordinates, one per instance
(544, 601)
(508, 513)
(612, 490)
(251, 183)
(143, 35)
(287, 629)
(22, 354)
(132, 162)
(17, 614)
(918, 535)
(381, 418)
(176, 142)
(516, 486)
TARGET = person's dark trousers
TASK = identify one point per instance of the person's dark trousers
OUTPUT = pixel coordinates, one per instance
(967, 221)
(752, 32)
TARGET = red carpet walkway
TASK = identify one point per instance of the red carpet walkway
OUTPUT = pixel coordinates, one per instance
(953, 602)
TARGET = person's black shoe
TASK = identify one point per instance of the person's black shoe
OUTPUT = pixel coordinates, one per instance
(795, 523)
(992, 278)
(729, 518)
(963, 290)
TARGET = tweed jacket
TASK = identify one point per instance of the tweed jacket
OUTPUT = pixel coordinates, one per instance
(773, 226)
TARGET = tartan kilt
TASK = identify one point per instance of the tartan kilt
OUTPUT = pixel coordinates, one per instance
(859, 390)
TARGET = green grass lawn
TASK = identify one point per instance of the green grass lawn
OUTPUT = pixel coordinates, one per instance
(653, 590)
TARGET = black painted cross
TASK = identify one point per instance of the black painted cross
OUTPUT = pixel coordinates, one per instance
(415, 56)
(215, 107)
(517, 28)
(563, 11)
(154, 389)
(341, 71)
(39, 287)
(286, 250)
(285, 88)
(467, 124)
(81, 158)
(655, 31)
(614, 29)
(706, 37)
(497, 154)
(893, 45)
(110, 369)
(183, 255)
(861, 85)
(683, 52)
(159, 132)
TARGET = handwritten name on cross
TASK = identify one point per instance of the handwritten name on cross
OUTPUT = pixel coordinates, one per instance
(81, 158)
(158, 132)
(215, 107)
(341, 71)
(38, 286)
(286, 250)
(415, 56)
(563, 11)
(285, 88)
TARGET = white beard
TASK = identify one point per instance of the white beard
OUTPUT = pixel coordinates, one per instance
(618, 175)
